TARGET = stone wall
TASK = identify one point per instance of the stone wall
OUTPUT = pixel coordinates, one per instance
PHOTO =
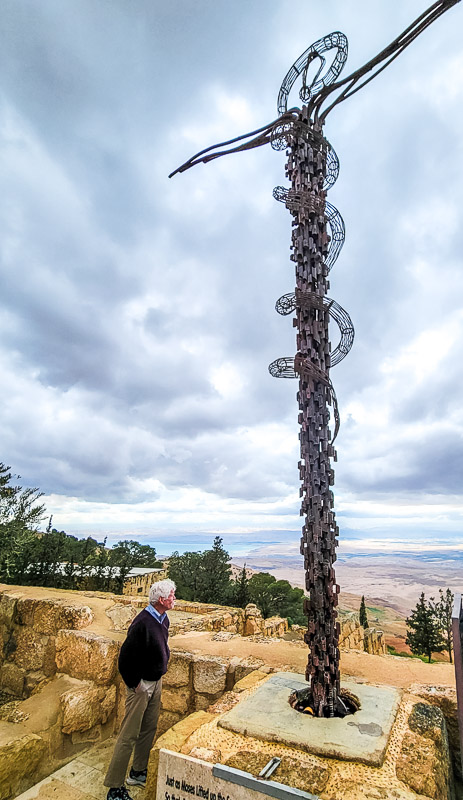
(201, 617)
(246, 622)
(354, 637)
(194, 682)
(374, 642)
(140, 584)
(66, 692)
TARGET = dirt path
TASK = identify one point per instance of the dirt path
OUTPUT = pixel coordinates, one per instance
(98, 604)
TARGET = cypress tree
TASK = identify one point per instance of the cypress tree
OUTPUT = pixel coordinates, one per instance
(363, 613)
(242, 589)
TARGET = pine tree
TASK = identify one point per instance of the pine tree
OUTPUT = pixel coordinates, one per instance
(443, 613)
(185, 571)
(425, 637)
(363, 613)
(20, 515)
(214, 585)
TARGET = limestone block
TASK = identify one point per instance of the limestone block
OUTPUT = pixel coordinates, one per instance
(252, 626)
(173, 738)
(424, 760)
(86, 655)
(205, 754)
(176, 699)
(108, 705)
(34, 651)
(240, 625)
(347, 627)
(209, 674)
(49, 616)
(8, 602)
(91, 735)
(249, 681)
(251, 610)
(121, 694)
(12, 679)
(348, 789)
(306, 777)
(81, 708)
(203, 701)
(20, 756)
(243, 666)
(178, 671)
(34, 682)
(85, 707)
(24, 614)
(166, 720)
(121, 616)
(445, 698)
(268, 627)
(367, 641)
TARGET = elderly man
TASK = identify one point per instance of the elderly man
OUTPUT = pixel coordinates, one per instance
(142, 663)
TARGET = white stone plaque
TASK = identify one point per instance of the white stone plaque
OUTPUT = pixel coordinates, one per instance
(185, 778)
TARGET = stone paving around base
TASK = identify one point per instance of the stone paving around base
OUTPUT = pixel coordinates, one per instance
(80, 779)
(363, 736)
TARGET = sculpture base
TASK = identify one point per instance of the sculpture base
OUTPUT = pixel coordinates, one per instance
(361, 737)
(416, 760)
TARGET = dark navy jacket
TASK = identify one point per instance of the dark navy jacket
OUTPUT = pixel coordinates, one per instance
(145, 652)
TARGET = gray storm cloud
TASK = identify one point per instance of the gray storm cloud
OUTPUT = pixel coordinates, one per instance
(137, 313)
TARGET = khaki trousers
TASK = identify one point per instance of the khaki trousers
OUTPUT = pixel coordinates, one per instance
(137, 731)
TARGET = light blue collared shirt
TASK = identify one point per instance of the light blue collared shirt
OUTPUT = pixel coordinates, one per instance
(159, 617)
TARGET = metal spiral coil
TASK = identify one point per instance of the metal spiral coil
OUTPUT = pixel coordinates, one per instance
(298, 367)
(288, 303)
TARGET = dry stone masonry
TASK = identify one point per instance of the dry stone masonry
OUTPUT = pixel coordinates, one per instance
(64, 687)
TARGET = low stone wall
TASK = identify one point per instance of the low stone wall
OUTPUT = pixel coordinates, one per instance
(373, 642)
(194, 682)
(354, 637)
(246, 622)
(66, 692)
(204, 617)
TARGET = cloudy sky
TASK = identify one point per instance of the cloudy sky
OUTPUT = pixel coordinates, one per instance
(137, 313)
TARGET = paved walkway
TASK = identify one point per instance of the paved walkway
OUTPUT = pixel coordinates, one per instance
(80, 779)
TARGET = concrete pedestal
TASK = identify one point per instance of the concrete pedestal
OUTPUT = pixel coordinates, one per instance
(361, 737)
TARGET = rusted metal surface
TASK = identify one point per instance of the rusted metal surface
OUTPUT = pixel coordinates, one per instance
(317, 238)
(287, 304)
(306, 169)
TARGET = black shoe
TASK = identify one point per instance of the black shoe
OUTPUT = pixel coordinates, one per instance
(137, 777)
(118, 793)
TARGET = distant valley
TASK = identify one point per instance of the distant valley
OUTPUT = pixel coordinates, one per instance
(394, 579)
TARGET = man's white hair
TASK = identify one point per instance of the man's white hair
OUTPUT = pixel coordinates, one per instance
(161, 589)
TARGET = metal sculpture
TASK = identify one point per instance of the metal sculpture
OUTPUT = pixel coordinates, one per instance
(317, 238)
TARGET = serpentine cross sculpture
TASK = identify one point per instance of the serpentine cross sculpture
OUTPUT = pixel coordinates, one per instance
(317, 237)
